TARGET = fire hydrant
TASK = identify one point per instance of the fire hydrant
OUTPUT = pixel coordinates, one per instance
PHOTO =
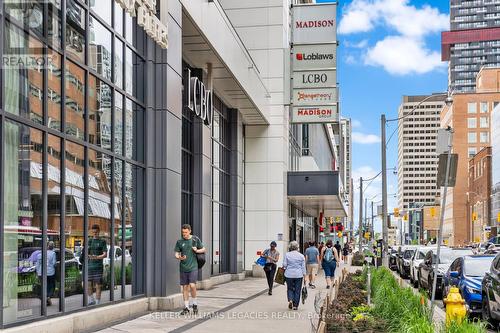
(455, 306)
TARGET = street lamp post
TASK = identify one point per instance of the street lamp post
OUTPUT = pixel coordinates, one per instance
(383, 122)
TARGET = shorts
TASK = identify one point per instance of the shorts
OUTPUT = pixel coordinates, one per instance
(95, 275)
(312, 269)
(187, 278)
(329, 268)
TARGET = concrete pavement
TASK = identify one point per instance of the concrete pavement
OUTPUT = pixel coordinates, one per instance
(237, 306)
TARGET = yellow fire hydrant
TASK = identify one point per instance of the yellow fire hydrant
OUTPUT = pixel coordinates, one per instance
(455, 306)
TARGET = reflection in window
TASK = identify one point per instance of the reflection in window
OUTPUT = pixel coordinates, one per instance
(74, 202)
(134, 128)
(118, 18)
(118, 131)
(134, 177)
(54, 90)
(99, 48)
(75, 30)
(75, 100)
(22, 241)
(102, 8)
(118, 78)
(23, 74)
(99, 113)
(134, 71)
(121, 255)
(99, 206)
(54, 23)
(31, 17)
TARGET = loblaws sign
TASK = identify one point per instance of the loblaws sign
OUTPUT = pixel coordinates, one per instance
(320, 56)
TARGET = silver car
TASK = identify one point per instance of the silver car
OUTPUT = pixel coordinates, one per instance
(417, 259)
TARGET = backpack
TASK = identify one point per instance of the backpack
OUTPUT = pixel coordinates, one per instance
(200, 257)
(328, 254)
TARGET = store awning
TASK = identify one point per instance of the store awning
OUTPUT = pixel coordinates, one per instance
(316, 191)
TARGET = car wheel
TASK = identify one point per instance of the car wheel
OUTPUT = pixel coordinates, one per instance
(486, 312)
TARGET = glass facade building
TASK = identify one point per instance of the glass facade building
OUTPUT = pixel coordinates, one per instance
(72, 125)
(472, 42)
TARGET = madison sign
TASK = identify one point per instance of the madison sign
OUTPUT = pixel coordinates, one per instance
(145, 10)
(319, 56)
(315, 114)
(314, 23)
(314, 96)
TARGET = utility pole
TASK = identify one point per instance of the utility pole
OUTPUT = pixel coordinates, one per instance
(384, 191)
(360, 230)
(365, 222)
(372, 229)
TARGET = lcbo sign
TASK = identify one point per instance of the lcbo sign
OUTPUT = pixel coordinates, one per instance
(198, 98)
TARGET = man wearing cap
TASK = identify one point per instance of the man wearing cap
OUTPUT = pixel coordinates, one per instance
(272, 256)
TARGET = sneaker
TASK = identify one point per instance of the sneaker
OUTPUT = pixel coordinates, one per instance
(270, 292)
(295, 308)
(97, 301)
(312, 286)
(49, 301)
(92, 302)
(195, 309)
(290, 305)
(184, 312)
(327, 287)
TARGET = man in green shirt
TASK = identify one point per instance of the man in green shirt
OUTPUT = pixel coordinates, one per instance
(185, 251)
(98, 250)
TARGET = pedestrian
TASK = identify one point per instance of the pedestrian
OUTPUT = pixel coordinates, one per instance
(272, 256)
(51, 270)
(186, 249)
(98, 250)
(321, 245)
(295, 272)
(312, 263)
(338, 247)
(329, 261)
(345, 252)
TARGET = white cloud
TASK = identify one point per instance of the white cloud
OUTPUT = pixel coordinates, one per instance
(351, 60)
(359, 45)
(356, 123)
(404, 51)
(363, 138)
(365, 15)
(401, 55)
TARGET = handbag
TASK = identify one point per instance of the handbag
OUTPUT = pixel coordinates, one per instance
(261, 261)
(280, 276)
(304, 294)
(200, 257)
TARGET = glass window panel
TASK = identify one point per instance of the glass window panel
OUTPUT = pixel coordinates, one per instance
(23, 74)
(74, 207)
(75, 100)
(134, 278)
(75, 30)
(215, 234)
(483, 107)
(55, 23)
(129, 70)
(484, 137)
(22, 241)
(54, 90)
(129, 26)
(472, 137)
(484, 122)
(118, 78)
(102, 8)
(471, 107)
(99, 113)
(118, 18)
(134, 128)
(118, 132)
(471, 122)
(54, 156)
(134, 73)
(100, 233)
(119, 253)
(100, 48)
(28, 13)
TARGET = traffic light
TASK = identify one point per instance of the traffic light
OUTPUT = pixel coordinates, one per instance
(498, 217)
(433, 211)
(396, 212)
(367, 235)
(474, 216)
(339, 234)
(405, 217)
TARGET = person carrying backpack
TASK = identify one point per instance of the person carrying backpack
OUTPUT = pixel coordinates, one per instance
(329, 262)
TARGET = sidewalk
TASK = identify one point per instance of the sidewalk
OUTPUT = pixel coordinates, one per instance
(238, 306)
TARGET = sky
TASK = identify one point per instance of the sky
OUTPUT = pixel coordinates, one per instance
(388, 48)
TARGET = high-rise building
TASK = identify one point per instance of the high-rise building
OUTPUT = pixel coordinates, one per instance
(495, 169)
(472, 42)
(469, 116)
(417, 159)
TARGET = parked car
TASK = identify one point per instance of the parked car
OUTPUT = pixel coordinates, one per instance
(426, 273)
(401, 254)
(405, 262)
(467, 274)
(416, 260)
(490, 292)
(393, 254)
(118, 257)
